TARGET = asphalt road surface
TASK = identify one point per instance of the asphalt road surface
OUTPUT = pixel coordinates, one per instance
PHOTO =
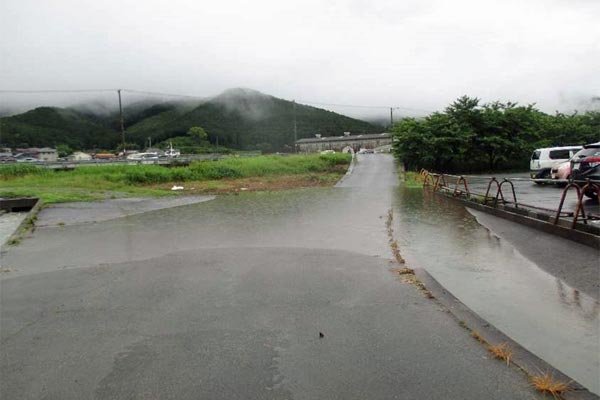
(259, 296)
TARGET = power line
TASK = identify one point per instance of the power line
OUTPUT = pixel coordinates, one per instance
(163, 94)
(57, 91)
(363, 106)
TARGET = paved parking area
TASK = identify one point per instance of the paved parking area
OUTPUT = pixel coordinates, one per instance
(528, 192)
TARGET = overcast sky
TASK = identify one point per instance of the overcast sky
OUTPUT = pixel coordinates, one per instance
(417, 54)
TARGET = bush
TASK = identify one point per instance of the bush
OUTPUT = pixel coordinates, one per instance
(16, 170)
(469, 137)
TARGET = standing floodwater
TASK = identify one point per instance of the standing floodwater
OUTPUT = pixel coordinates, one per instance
(489, 274)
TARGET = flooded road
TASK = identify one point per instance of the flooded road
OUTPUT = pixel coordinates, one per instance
(252, 278)
(349, 217)
(489, 274)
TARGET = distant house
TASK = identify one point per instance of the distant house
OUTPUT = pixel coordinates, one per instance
(80, 156)
(47, 154)
(104, 156)
(339, 143)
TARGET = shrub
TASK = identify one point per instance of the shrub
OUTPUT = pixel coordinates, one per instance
(16, 170)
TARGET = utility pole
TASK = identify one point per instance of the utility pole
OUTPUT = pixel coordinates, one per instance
(391, 117)
(122, 124)
(295, 128)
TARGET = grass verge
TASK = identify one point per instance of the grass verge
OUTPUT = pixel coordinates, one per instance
(226, 175)
(412, 179)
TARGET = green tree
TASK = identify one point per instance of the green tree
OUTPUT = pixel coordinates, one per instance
(63, 150)
(198, 134)
(474, 137)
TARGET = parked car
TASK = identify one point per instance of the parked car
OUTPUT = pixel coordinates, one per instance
(143, 156)
(586, 165)
(28, 160)
(562, 171)
(543, 160)
(365, 151)
(7, 159)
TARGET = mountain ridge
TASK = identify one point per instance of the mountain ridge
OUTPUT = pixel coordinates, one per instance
(240, 118)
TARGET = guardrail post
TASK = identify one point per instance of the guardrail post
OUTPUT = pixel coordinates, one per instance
(458, 192)
(562, 202)
(513, 191)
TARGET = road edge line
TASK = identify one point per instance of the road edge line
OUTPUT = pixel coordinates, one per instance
(348, 171)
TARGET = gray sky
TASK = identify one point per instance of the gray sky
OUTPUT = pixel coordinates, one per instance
(419, 54)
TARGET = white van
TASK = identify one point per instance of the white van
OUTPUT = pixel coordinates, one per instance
(542, 160)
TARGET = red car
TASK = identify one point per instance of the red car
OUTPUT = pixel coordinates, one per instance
(562, 171)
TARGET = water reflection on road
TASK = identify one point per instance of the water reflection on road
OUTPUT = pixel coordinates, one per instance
(330, 218)
(545, 315)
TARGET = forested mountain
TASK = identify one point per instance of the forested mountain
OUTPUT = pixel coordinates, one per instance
(49, 126)
(241, 118)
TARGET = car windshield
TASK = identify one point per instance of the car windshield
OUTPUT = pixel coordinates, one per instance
(583, 153)
(536, 155)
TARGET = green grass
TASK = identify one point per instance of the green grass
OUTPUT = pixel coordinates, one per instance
(99, 182)
(412, 179)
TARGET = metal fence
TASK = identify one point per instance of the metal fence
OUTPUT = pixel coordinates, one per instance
(495, 195)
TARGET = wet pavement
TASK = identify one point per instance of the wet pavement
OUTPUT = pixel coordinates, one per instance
(225, 299)
(97, 211)
(9, 222)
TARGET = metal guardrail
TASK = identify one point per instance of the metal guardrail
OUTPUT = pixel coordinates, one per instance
(439, 182)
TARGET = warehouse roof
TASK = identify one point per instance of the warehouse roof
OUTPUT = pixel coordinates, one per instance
(371, 136)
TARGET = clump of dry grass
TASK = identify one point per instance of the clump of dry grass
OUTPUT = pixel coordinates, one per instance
(406, 271)
(547, 384)
(407, 275)
(396, 251)
(501, 351)
(477, 336)
(393, 243)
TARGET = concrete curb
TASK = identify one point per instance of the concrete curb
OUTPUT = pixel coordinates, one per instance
(349, 171)
(522, 358)
(25, 225)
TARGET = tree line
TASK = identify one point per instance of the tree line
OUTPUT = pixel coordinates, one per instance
(472, 137)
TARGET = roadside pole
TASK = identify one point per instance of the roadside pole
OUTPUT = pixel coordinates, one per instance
(295, 128)
(122, 124)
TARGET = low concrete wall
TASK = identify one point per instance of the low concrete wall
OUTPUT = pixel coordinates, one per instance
(28, 222)
(18, 205)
